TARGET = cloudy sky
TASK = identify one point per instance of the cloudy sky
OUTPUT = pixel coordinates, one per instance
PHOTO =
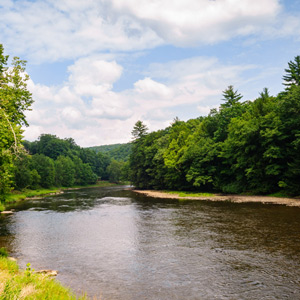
(98, 66)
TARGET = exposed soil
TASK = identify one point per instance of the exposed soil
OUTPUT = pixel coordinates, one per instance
(231, 198)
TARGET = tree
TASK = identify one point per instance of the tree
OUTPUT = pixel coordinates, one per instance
(232, 108)
(231, 97)
(15, 99)
(45, 168)
(64, 171)
(83, 172)
(289, 113)
(23, 178)
(293, 73)
(139, 130)
(114, 171)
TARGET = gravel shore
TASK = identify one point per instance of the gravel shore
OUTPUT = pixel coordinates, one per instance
(218, 197)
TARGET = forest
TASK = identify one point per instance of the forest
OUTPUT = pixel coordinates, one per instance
(242, 147)
(54, 162)
(49, 161)
(119, 152)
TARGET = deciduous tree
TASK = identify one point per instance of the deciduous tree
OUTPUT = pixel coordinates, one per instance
(15, 99)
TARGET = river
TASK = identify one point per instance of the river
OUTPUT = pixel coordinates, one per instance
(115, 244)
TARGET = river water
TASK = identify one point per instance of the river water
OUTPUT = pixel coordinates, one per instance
(115, 244)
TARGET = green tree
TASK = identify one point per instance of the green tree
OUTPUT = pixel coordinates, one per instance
(15, 99)
(231, 97)
(44, 165)
(289, 114)
(83, 172)
(139, 130)
(52, 146)
(232, 108)
(292, 76)
(114, 171)
(23, 178)
(64, 171)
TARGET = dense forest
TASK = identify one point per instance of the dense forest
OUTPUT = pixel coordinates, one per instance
(49, 161)
(241, 147)
(120, 152)
(60, 162)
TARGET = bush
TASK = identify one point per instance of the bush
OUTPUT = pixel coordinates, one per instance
(3, 252)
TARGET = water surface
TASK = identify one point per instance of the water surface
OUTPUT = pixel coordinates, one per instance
(115, 244)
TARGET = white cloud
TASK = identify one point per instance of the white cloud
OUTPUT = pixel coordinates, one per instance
(71, 114)
(204, 110)
(200, 21)
(106, 116)
(91, 76)
(53, 30)
(152, 89)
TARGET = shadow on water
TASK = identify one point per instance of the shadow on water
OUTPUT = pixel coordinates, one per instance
(120, 245)
(72, 200)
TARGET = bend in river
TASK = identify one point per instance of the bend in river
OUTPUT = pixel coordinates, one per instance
(116, 244)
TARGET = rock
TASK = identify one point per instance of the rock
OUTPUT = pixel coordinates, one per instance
(7, 212)
(12, 258)
(47, 272)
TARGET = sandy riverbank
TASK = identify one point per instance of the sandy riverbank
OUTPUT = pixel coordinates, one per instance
(231, 198)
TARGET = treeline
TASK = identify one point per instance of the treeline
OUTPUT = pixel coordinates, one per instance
(119, 152)
(250, 146)
(51, 161)
(15, 99)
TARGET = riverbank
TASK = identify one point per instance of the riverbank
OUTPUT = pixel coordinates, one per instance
(218, 197)
(16, 196)
(26, 284)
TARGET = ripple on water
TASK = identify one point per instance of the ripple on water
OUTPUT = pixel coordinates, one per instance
(123, 246)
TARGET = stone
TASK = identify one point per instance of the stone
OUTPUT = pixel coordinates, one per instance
(47, 272)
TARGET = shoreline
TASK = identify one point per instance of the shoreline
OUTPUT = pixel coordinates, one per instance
(18, 196)
(17, 283)
(218, 197)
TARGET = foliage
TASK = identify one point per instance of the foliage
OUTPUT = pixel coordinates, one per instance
(44, 165)
(15, 196)
(242, 147)
(3, 252)
(15, 99)
(26, 284)
(139, 130)
(47, 162)
(115, 171)
(120, 152)
(190, 194)
(64, 171)
(292, 76)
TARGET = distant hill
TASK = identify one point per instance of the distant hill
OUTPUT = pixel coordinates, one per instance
(120, 152)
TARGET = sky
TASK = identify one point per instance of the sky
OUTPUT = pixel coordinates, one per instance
(96, 67)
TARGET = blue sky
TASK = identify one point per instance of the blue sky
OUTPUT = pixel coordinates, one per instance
(97, 67)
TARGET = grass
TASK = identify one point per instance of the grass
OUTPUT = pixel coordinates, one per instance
(16, 196)
(101, 183)
(279, 195)
(25, 284)
(189, 194)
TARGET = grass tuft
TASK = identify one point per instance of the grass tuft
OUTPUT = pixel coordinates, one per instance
(279, 195)
(3, 252)
(190, 194)
(16, 284)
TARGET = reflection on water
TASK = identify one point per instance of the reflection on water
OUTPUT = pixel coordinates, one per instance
(118, 245)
